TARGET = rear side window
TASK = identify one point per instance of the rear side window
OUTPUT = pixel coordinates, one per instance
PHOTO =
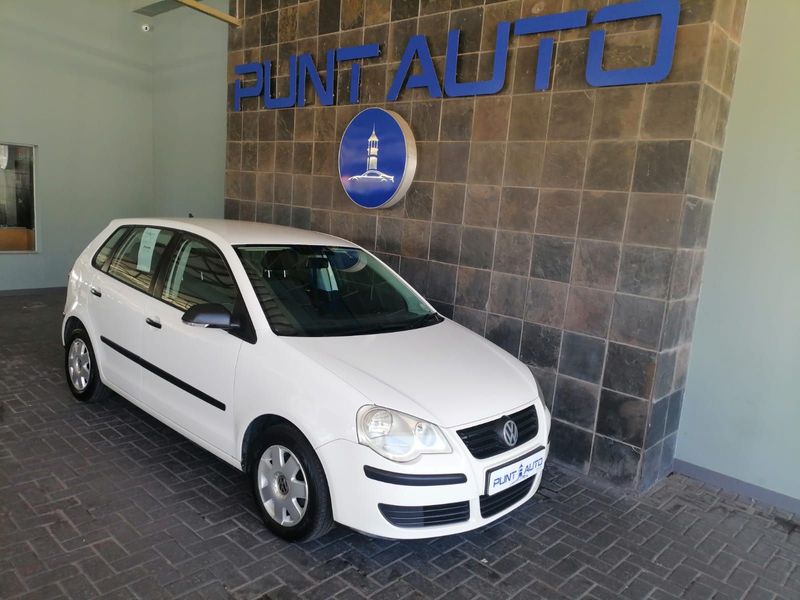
(136, 260)
(102, 256)
(198, 274)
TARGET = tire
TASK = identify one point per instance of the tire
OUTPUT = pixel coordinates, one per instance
(275, 478)
(80, 368)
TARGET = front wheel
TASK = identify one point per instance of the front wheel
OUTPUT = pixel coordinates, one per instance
(289, 486)
(80, 366)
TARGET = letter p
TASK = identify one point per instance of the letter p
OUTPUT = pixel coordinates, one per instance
(240, 91)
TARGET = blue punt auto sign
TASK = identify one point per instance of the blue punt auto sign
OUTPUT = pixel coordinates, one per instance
(377, 158)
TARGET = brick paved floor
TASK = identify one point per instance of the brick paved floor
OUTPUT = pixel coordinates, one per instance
(102, 500)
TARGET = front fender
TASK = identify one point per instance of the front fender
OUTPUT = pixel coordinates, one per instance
(272, 378)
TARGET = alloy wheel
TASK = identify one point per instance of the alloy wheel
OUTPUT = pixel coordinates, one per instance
(79, 364)
(282, 485)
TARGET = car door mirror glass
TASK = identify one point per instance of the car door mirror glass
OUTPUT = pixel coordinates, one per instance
(213, 316)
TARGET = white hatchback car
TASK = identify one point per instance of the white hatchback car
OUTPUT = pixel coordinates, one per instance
(304, 361)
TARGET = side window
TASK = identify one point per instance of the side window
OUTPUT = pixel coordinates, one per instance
(198, 274)
(136, 260)
(102, 256)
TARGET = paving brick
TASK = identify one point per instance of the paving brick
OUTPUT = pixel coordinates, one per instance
(103, 500)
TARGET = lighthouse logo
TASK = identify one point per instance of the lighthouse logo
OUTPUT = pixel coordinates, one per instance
(372, 162)
(377, 158)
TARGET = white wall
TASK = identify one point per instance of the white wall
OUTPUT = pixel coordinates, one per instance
(742, 408)
(76, 81)
(189, 112)
(126, 123)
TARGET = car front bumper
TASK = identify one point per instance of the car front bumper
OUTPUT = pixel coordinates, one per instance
(427, 495)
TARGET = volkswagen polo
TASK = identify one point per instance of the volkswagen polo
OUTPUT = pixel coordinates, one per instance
(304, 361)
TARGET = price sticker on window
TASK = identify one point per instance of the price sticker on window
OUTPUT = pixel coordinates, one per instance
(146, 247)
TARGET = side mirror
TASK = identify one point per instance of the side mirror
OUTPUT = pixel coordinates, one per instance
(213, 316)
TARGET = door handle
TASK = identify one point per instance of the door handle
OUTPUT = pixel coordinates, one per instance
(96, 292)
(153, 322)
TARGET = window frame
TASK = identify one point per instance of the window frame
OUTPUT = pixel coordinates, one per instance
(35, 169)
(245, 332)
(34, 179)
(163, 268)
(121, 242)
(104, 268)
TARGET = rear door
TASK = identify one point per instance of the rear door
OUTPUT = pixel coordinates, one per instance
(191, 378)
(119, 293)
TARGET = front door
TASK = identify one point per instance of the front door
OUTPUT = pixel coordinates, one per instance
(189, 371)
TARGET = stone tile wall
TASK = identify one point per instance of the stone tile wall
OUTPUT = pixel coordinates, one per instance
(566, 226)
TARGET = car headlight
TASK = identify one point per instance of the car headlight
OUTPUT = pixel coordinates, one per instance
(398, 436)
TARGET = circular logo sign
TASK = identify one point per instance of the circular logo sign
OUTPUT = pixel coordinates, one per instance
(377, 158)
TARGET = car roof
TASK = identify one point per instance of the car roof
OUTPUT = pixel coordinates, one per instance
(242, 232)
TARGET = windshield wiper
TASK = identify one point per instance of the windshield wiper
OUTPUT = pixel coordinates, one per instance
(425, 320)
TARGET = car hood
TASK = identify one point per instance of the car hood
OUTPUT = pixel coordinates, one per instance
(444, 373)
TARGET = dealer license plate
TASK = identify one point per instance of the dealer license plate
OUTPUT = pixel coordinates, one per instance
(514, 472)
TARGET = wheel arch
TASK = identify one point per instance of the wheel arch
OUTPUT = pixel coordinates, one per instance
(71, 324)
(256, 429)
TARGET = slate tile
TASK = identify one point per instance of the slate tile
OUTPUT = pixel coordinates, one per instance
(472, 289)
(474, 319)
(623, 418)
(637, 321)
(552, 258)
(596, 264)
(602, 215)
(645, 270)
(482, 205)
(518, 208)
(629, 370)
(540, 345)
(564, 165)
(506, 332)
(512, 253)
(507, 295)
(570, 445)
(546, 302)
(588, 311)
(582, 357)
(654, 219)
(445, 242)
(477, 247)
(661, 166)
(576, 401)
(558, 212)
(614, 461)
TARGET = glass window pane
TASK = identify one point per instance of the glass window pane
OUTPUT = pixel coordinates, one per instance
(198, 274)
(322, 291)
(135, 262)
(17, 219)
(106, 249)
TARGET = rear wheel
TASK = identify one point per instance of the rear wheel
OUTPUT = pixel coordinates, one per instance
(80, 366)
(289, 486)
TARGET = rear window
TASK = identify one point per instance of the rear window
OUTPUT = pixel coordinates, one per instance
(102, 256)
(136, 260)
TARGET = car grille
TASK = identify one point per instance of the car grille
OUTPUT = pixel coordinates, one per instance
(491, 505)
(486, 439)
(425, 516)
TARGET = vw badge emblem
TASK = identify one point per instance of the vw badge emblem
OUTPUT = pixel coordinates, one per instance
(377, 158)
(510, 433)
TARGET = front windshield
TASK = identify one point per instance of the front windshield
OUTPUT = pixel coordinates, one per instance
(328, 291)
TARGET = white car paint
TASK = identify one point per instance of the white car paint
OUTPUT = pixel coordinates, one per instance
(443, 373)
